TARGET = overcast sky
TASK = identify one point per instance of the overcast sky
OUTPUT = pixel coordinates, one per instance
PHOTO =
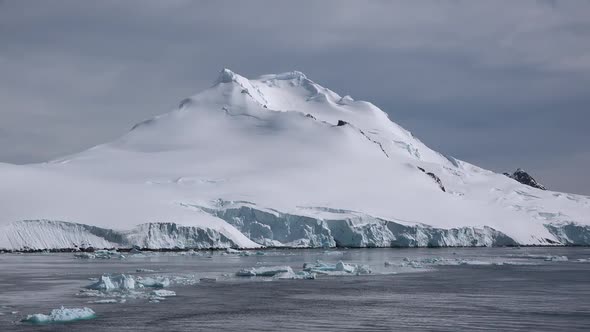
(501, 84)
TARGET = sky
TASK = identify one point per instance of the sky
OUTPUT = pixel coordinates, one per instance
(500, 84)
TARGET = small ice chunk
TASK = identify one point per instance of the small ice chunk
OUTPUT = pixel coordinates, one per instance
(339, 268)
(163, 293)
(84, 255)
(548, 258)
(230, 251)
(154, 282)
(474, 262)
(113, 282)
(295, 275)
(263, 271)
(100, 254)
(61, 315)
(104, 301)
(333, 253)
(556, 258)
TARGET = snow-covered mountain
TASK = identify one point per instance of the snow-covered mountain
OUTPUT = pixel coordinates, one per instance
(275, 161)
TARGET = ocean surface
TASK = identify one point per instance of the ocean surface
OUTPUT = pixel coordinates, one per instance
(453, 289)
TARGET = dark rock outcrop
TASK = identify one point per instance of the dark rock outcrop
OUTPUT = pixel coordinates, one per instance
(435, 178)
(525, 178)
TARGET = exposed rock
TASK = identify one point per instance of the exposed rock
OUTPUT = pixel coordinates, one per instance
(435, 178)
(525, 178)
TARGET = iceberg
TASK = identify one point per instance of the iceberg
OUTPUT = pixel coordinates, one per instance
(548, 258)
(160, 282)
(104, 301)
(556, 258)
(62, 315)
(295, 275)
(100, 254)
(161, 294)
(264, 271)
(113, 282)
(339, 268)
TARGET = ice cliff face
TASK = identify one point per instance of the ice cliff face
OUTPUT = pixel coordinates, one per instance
(275, 161)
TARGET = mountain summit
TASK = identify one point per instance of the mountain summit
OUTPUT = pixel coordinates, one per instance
(275, 161)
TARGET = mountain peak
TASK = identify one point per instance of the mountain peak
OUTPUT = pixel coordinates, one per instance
(226, 76)
(286, 76)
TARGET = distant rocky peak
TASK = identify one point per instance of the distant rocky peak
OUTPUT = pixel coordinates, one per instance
(523, 177)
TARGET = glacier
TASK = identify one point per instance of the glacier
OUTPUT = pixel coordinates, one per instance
(276, 161)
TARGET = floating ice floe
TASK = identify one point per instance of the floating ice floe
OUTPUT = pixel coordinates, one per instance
(295, 275)
(184, 280)
(264, 271)
(104, 301)
(113, 282)
(117, 288)
(100, 254)
(333, 253)
(61, 315)
(556, 258)
(160, 295)
(427, 262)
(163, 293)
(549, 258)
(157, 282)
(339, 268)
(420, 263)
(230, 251)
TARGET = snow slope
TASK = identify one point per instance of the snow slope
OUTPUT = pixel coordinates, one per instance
(275, 161)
